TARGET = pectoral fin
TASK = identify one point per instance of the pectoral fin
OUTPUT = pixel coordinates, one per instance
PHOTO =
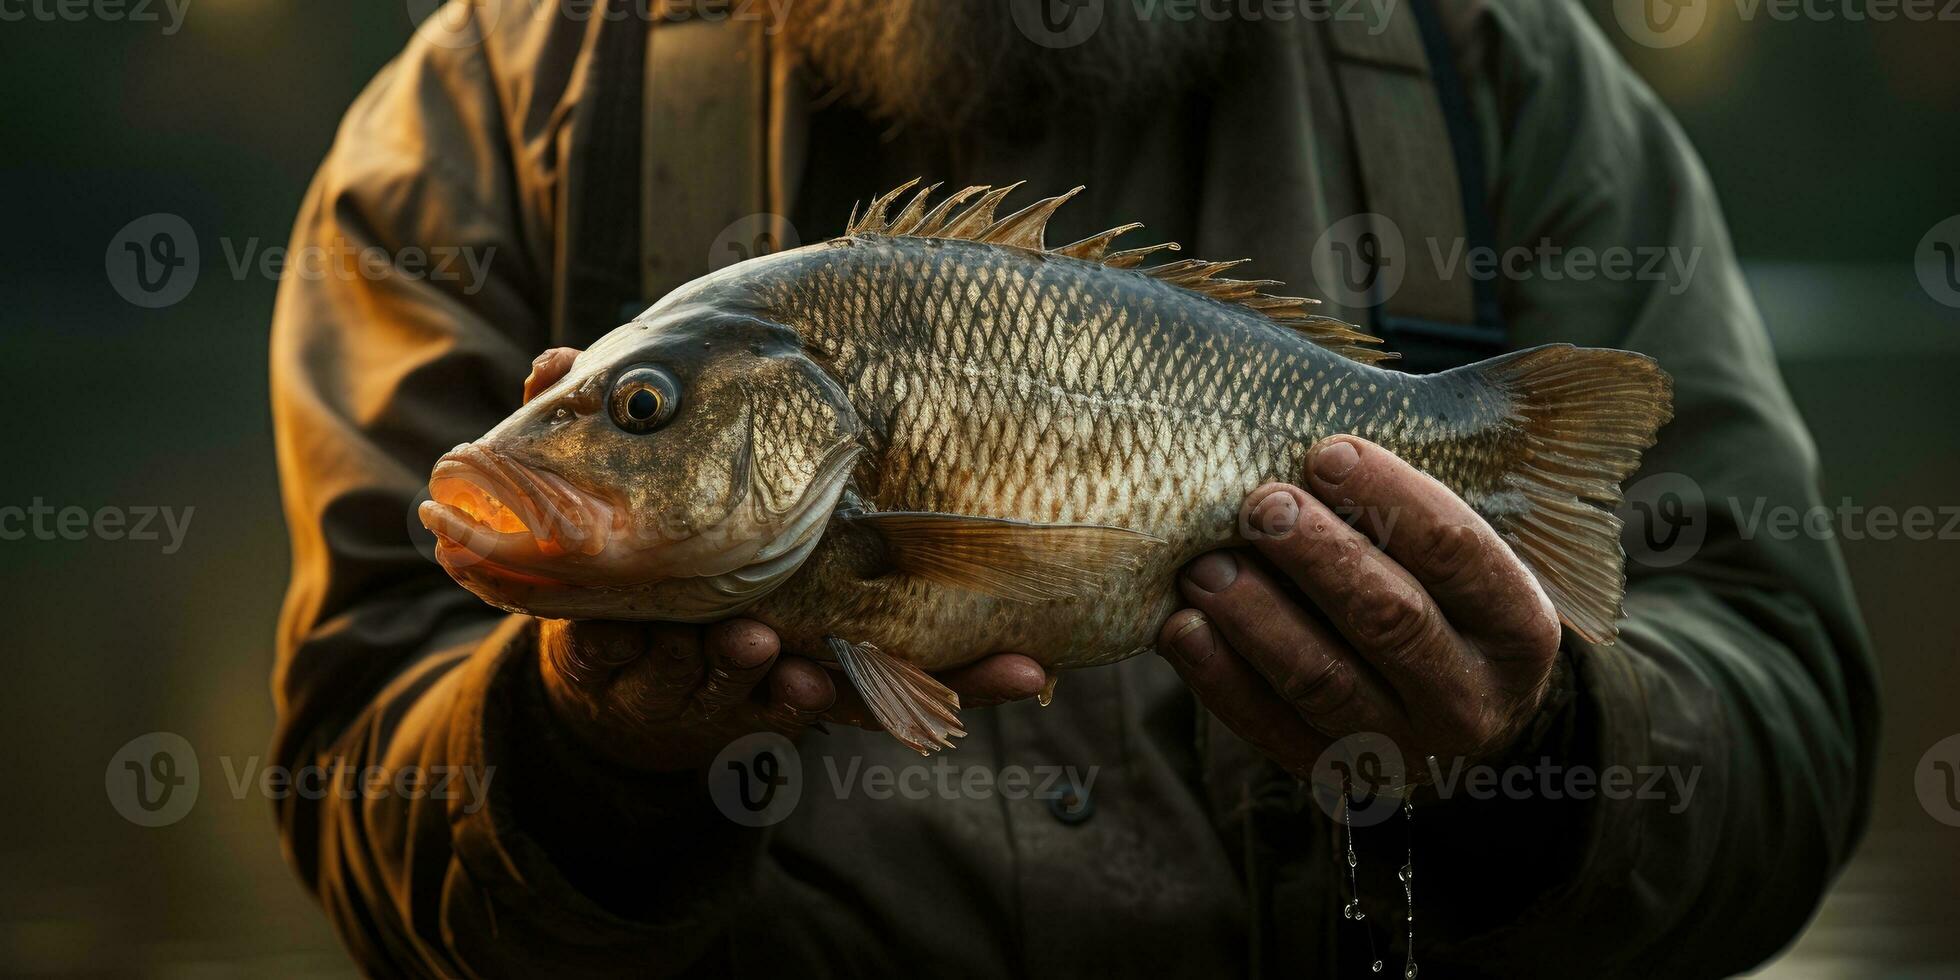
(914, 707)
(1009, 559)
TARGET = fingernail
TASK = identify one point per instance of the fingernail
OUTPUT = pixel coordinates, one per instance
(1335, 461)
(1276, 515)
(1193, 640)
(1213, 571)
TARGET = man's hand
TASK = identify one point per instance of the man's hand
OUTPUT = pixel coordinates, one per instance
(665, 697)
(1417, 623)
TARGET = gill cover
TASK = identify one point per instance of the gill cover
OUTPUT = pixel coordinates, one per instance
(718, 448)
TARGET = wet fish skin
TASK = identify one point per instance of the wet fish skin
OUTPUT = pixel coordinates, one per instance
(936, 438)
(1051, 390)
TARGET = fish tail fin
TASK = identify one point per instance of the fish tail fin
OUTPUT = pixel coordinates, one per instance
(1585, 415)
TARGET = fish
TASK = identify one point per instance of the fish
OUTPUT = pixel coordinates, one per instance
(936, 437)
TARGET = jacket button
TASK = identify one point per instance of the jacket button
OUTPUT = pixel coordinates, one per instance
(1071, 804)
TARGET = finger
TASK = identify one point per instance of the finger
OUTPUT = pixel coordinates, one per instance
(995, 680)
(1468, 570)
(661, 683)
(588, 652)
(1382, 611)
(548, 369)
(739, 653)
(798, 692)
(1238, 694)
(1302, 661)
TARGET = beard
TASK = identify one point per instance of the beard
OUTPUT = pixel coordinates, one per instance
(1000, 65)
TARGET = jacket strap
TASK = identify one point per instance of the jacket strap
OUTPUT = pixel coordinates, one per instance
(1419, 162)
(597, 269)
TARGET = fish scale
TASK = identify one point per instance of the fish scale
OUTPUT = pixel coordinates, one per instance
(1018, 446)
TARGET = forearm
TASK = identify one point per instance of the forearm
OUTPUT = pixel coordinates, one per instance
(1682, 808)
(489, 844)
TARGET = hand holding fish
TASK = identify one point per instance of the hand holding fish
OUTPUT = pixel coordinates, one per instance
(1418, 622)
(665, 697)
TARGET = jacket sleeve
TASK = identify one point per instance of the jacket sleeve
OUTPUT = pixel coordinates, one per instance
(438, 818)
(1740, 698)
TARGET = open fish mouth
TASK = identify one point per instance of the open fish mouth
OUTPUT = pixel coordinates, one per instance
(486, 508)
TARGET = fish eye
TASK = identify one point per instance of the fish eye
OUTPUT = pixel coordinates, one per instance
(644, 398)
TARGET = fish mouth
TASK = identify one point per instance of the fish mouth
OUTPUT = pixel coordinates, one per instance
(488, 509)
(528, 540)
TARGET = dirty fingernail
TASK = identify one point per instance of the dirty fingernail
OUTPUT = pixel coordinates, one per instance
(1276, 515)
(1335, 461)
(1213, 572)
(1193, 640)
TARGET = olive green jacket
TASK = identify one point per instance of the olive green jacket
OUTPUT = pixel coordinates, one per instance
(1742, 670)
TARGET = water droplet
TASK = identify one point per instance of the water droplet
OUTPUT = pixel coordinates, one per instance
(1351, 860)
(1378, 966)
(1407, 873)
(1410, 973)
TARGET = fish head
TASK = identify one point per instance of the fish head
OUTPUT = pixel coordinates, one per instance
(683, 466)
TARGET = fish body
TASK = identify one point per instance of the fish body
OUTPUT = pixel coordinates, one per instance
(936, 438)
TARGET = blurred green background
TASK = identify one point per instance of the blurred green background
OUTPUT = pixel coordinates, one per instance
(1834, 144)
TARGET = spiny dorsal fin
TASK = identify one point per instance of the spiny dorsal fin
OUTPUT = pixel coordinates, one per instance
(1025, 229)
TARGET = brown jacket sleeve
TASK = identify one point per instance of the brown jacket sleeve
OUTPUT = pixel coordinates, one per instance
(385, 665)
